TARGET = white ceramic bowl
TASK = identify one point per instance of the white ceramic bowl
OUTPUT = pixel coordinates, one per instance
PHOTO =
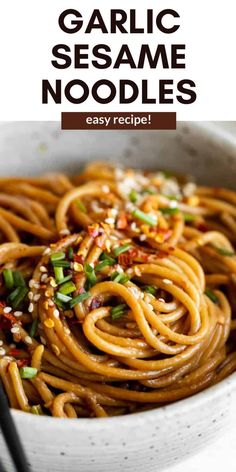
(151, 440)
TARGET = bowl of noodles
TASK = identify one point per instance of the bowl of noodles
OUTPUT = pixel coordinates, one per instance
(117, 306)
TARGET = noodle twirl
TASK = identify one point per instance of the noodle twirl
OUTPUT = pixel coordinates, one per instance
(117, 290)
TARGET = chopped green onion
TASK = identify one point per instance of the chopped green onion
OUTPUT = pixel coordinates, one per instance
(133, 196)
(33, 328)
(149, 289)
(81, 206)
(119, 277)
(80, 298)
(225, 252)
(104, 263)
(64, 264)
(60, 304)
(57, 256)
(65, 279)
(62, 298)
(67, 288)
(28, 372)
(149, 191)
(167, 174)
(118, 311)
(17, 296)
(189, 217)
(119, 250)
(8, 278)
(59, 274)
(211, 295)
(70, 253)
(169, 211)
(36, 410)
(148, 219)
(90, 274)
(19, 280)
(105, 257)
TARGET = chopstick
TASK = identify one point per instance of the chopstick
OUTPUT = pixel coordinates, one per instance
(11, 436)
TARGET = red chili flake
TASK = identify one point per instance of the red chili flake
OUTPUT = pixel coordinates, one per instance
(145, 257)
(162, 254)
(95, 303)
(122, 222)
(202, 227)
(125, 259)
(10, 317)
(216, 190)
(2, 304)
(81, 290)
(14, 352)
(93, 231)
(78, 258)
(128, 257)
(100, 241)
(22, 362)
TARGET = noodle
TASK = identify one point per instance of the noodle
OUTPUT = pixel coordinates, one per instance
(117, 290)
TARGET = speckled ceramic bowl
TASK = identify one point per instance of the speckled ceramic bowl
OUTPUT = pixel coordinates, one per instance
(152, 440)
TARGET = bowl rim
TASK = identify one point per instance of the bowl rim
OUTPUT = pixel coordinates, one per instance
(177, 408)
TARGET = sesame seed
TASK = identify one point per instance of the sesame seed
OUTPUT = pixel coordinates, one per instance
(110, 221)
(143, 237)
(64, 232)
(44, 277)
(119, 269)
(31, 308)
(31, 283)
(53, 282)
(43, 340)
(50, 302)
(150, 306)
(7, 309)
(37, 297)
(67, 331)
(161, 300)
(2, 351)
(30, 295)
(43, 269)
(15, 329)
(1, 342)
(173, 204)
(113, 212)
(28, 340)
(137, 271)
(134, 291)
(133, 226)
(119, 173)
(167, 281)
(17, 314)
(56, 350)
(46, 251)
(56, 313)
(105, 189)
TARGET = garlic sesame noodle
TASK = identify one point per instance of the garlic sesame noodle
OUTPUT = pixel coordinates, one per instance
(117, 290)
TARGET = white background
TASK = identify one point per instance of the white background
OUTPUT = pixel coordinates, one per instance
(29, 29)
